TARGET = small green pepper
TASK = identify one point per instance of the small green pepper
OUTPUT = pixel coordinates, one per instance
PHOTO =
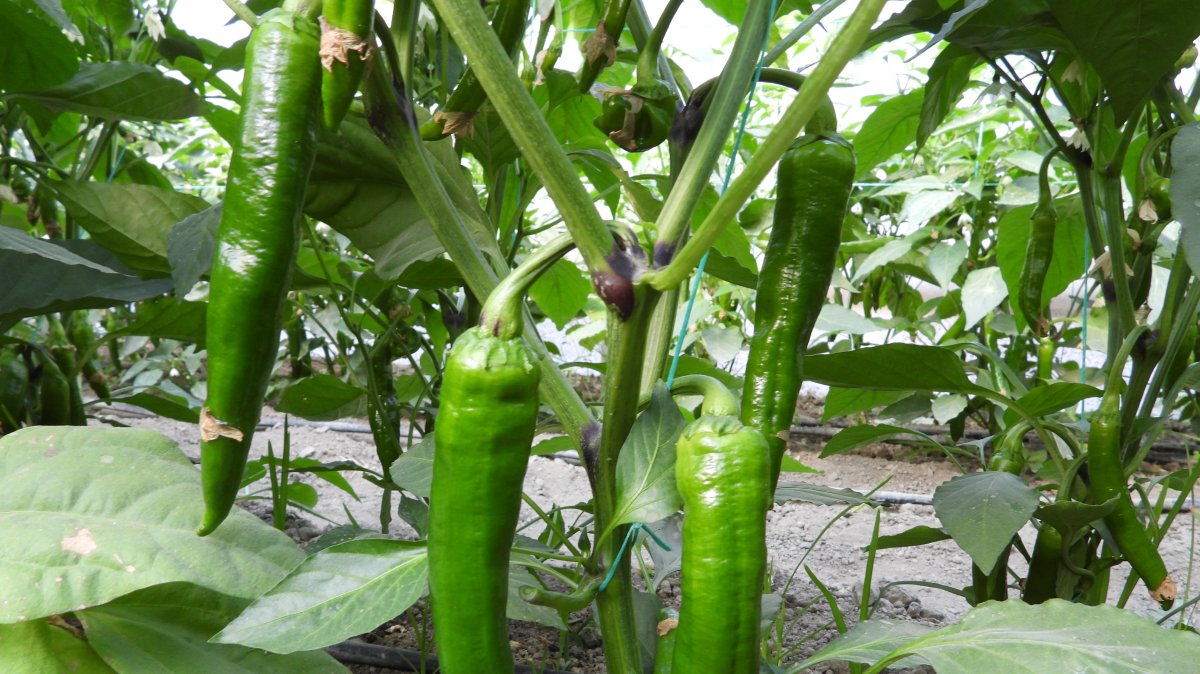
(1039, 253)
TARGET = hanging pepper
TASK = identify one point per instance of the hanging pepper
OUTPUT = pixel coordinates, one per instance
(641, 118)
(813, 190)
(722, 471)
(345, 51)
(256, 244)
(1039, 252)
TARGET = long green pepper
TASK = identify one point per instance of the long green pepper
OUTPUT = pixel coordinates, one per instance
(1039, 253)
(813, 190)
(482, 438)
(256, 244)
(345, 50)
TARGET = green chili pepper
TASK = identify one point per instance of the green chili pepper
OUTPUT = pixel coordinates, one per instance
(600, 49)
(345, 50)
(14, 390)
(256, 244)
(562, 601)
(455, 117)
(813, 189)
(482, 437)
(54, 391)
(722, 470)
(1042, 582)
(64, 356)
(1160, 195)
(1010, 458)
(664, 652)
(1045, 358)
(1107, 475)
(84, 339)
(1039, 252)
(638, 119)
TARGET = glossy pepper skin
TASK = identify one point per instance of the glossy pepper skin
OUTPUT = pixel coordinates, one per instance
(722, 471)
(639, 119)
(1106, 473)
(1039, 253)
(813, 190)
(345, 50)
(482, 438)
(256, 244)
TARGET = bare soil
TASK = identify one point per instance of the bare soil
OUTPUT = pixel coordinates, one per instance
(799, 535)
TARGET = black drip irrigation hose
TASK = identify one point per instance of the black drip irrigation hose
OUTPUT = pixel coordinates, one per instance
(359, 653)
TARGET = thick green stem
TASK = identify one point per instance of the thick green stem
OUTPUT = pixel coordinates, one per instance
(807, 102)
(490, 62)
(718, 401)
(395, 126)
(647, 66)
(622, 379)
(658, 339)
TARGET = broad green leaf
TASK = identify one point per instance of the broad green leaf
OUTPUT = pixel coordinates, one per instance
(163, 404)
(1054, 397)
(132, 221)
(790, 465)
(190, 247)
(983, 511)
(490, 143)
(722, 342)
(945, 259)
(983, 291)
(1067, 264)
(891, 367)
(918, 535)
(105, 530)
(890, 128)
(169, 318)
(561, 292)
(43, 276)
(862, 435)
(1185, 190)
(558, 443)
(843, 402)
(37, 647)
(173, 623)
(818, 494)
(1132, 45)
(519, 609)
(1012, 636)
(118, 90)
(891, 251)
(948, 407)
(36, 55)
(1004, 26)
(646, 466)
(333, 595)
(836, 318)
(413, 471)
(867, 642)
(323, 397)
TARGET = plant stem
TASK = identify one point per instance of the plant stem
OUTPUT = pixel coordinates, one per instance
(241, 11)
(504, 310)
(395, 127)
(490, 62)
(622, 379)
(647, 66)
(801, 30)
(807, 102)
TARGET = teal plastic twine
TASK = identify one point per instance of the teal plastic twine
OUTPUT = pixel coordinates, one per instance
(631, 536)
(737, 143)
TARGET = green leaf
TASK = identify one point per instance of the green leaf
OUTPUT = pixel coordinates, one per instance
(132, 221)
(558, 443)
(169, 318)
(983, 291)
(561, 292)
(945, 408)
(836, 318)
(1070, 515)
(323, 397)
(891, 367)
(868, 642)
(843, 402)
(37, 646)
(889, 129)
(983, 511)
(818, 494)
(118, 90)
(1013, 234)
(333, 595)
(413, 471)
(43, 276)
(190, 247)
(1010, 636)
(36, 55)
(1052, 398)
(945, 260)
(163, 404)
(1133, 45)
(646, 466)
(106, 530)
(173, 623)
(862, 435)
(1185, 190)
(947, 78)
(918, 535)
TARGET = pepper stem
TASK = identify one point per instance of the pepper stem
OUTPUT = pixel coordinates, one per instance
(647, 66)
(718, 400)
(503, 312)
